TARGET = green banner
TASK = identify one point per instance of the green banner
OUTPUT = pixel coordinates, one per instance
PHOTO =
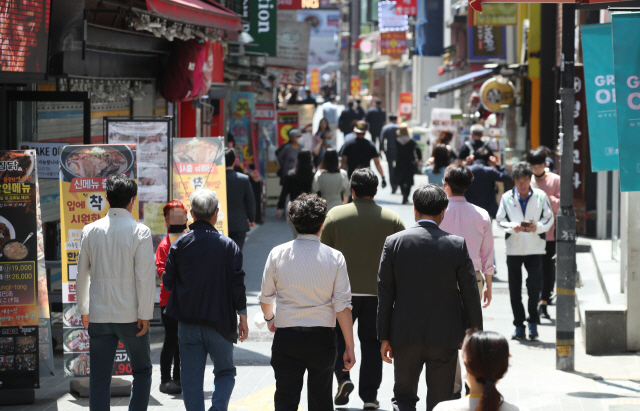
(263, 26)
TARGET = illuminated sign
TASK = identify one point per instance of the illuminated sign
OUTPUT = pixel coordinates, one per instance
(24, 34)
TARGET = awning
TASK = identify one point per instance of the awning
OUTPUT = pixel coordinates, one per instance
(459, 82)
(199, 13)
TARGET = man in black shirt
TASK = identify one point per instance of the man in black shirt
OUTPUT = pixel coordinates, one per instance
(346, 117)
(359, 110)
(358, 153)
(470, 146)
(376, 117)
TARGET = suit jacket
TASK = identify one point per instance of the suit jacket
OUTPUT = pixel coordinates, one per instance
(376, 117)
(482, 191)
(390, 134)
(427, 289)
(241, 204)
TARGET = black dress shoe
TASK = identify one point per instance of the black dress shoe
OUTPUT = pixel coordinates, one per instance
(542, 311)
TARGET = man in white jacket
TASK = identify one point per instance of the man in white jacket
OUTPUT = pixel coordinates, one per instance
(525, 215)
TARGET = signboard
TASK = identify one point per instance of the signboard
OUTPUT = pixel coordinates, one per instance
(597, 52)
(626, 62)
(314, 84)
(292, 44)
(47, 157)
(242, 105)
(83, 200)
(289, 76)
(239, 129)
(20, 276)
(263, 26)
(446, 119)
(389, 20)
(25, 35)
(496, 14)
(487, 43)
(393, 44)
(580, 136)
(265, 111)
(408, 7)
(298, 4)
(495, 94)
(286, 120)
(356, 84)
(405, 106)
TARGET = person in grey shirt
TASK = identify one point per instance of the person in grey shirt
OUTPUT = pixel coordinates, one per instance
(388, 144)
(116, 289)
(288, 153)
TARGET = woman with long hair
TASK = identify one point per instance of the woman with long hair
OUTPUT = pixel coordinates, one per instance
(445, 137)
(297, 181)
(331, 182)
(486, 358)
(441, 161)
(321, 147)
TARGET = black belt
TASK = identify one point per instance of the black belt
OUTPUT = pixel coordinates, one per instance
(308, 329)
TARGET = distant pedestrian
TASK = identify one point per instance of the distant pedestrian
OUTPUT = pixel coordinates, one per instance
(308, 99)
(331, 182)
(116, 289)
(428, 295)
(525, 215)
(550, 184)
(347, 116)
(320, 148)
(308, 281)
(474, 143)
(351, 134)
(486, 358)
(376, 117)
(359, 231)
(445, 137)
(241, 203)
(330, 112)
(175, 217)
(297, 181)
(205, 276)
(288, 153)
(486, 173)
(441, 160)
(360, 114)
(323, 126)
(389, 145)
(406, 162)
(359, 152)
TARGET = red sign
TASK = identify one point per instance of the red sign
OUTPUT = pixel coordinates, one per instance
(408, 7)
(356, 85)
(25, 32)
(393, 43)
(265, 111)
(286, 121)
(405, 105)
(314, 87)
(298, 4)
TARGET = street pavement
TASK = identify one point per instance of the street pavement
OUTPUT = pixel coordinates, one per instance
(532, 381)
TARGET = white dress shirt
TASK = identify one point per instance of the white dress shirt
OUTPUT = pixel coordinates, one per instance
(116, 270)
(308, 281)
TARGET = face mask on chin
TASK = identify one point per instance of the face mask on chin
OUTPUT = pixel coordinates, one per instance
(177, 228)
(541, 175)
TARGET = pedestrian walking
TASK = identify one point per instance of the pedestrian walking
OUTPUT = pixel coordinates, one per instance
(308, 281)
(241, 203)
(525, 216)
(486, 173)
(486, 358)
(445, 137)
(298, 181)
(360, 114)
(330, 182)
(330, 112)
(288, 153)
(441, 160)
(359, 230)
(389, 145)
(407, 158)
(323, 126)
(474, 143)
(320, 148)
(175, 217)
(550, 184)
(116, 289)
(428, 295)
(358, 153)
(205, 276)
(347, 116)
(376, 117)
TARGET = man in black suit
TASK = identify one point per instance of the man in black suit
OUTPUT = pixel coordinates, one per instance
(241, 204)
(423, 313)
(376, 117)
(347, 116)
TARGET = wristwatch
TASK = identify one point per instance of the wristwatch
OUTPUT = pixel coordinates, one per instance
(271, 320)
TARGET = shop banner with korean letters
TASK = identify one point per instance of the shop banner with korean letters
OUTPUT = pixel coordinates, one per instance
(84, 170)
(393, 44)
(286, 120)
(198, 162)
(626, 58)
(597, 53)
(20, 276)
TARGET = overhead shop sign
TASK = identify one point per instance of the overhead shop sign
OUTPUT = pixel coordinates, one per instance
(288, 76)
(494, 94)
(487, 43)
(292, 47)
(393, 43)
(496, 14)
(24, 29)
(263, 26)
(408, 7)
(389, 20)
(298, 4)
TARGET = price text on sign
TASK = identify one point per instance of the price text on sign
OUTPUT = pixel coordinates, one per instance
(17, 283)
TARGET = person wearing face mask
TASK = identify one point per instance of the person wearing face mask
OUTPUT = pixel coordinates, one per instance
(175, 217)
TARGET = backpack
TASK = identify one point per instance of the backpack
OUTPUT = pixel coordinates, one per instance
(473, 150)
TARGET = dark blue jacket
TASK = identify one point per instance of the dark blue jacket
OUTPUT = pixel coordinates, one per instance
(204, 274)
(483, 189)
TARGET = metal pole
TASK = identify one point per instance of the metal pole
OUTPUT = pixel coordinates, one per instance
(566, 222)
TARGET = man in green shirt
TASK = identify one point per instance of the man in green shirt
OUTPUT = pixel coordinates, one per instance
(359, 230)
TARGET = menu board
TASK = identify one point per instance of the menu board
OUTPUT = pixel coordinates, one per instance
(19, 280)
(46, 156)
(83, 175)
(198, 162)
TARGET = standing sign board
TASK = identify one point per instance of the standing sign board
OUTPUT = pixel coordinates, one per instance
(405, 106)
(20, 276)
(83, 176)
(286, 120)
(47, 157)
(597, 52)
(198, 162)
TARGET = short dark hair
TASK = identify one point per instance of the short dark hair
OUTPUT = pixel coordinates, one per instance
(537, 156)
(307, 213)
(120, 190)
(522, 169)
(459, 178)
(377, 101)
(430, 200)
(229, 157)
(352, 104)
(481, 154)
(364, 182)
(393, 117)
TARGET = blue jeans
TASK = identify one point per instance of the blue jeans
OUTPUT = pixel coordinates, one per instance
(103, 345)
(196, 341)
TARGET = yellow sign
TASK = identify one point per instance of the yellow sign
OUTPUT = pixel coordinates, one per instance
(243, 107)
(154, 217)
(495, 95)
(496, 14)
(356, 84)
(564, 350)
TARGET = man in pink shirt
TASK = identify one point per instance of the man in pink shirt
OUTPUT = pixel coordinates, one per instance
(550, 184)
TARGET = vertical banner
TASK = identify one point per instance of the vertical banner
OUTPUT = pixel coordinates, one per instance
(263, 26)
(267, 141)
(198, 162)
(356, 84)
(626, 58)
(580, 136)
(83, 175)
(405, 106)
(286, 120)
(242, 105)
(597, 52)
(19, 255)
(314, 84)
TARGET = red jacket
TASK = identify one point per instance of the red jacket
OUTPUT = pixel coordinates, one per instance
(161, 259)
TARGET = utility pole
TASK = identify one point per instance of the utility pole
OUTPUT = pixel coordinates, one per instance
(566, 220)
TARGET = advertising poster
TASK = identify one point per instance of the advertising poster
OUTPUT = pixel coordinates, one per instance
(242, 105)
(408, 7)
(84, 170)
(626, 60)
(597, 52)
(265, 118)
(314, 84)
(19, 274)
(446, 119)
(355, 85)
(198, 162)
(286, 120)
(496, 14)
(25, 30)
(405, 106)
(239, 129)
(47, 157)
(487, 43)
(393, 44)
(292, 44)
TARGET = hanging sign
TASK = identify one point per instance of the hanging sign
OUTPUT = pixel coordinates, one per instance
(393, 44)
(487, 43)
(495, 94)
(288, 76)
(242, 105)
(408, 7)
(496, 14)
(389, 20)
(314, 84)
(263, 26)
(286, 121)
(265, 111)
(356, 84)
(405, 106)
(597, 52)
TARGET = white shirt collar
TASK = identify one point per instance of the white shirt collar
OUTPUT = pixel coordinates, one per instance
(120, 212)
(309, 237)
(424, 220)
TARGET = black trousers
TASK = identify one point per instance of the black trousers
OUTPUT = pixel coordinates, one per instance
(391, 162)
(548, 271)
(533, 264)
(294, 352)
(440, 372)
(238, 237)
(170, 350)
(365, 310)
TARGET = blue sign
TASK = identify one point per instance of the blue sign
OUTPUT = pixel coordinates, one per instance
(597, 53)
(343, 43)
(239, 129)
(626, 56)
